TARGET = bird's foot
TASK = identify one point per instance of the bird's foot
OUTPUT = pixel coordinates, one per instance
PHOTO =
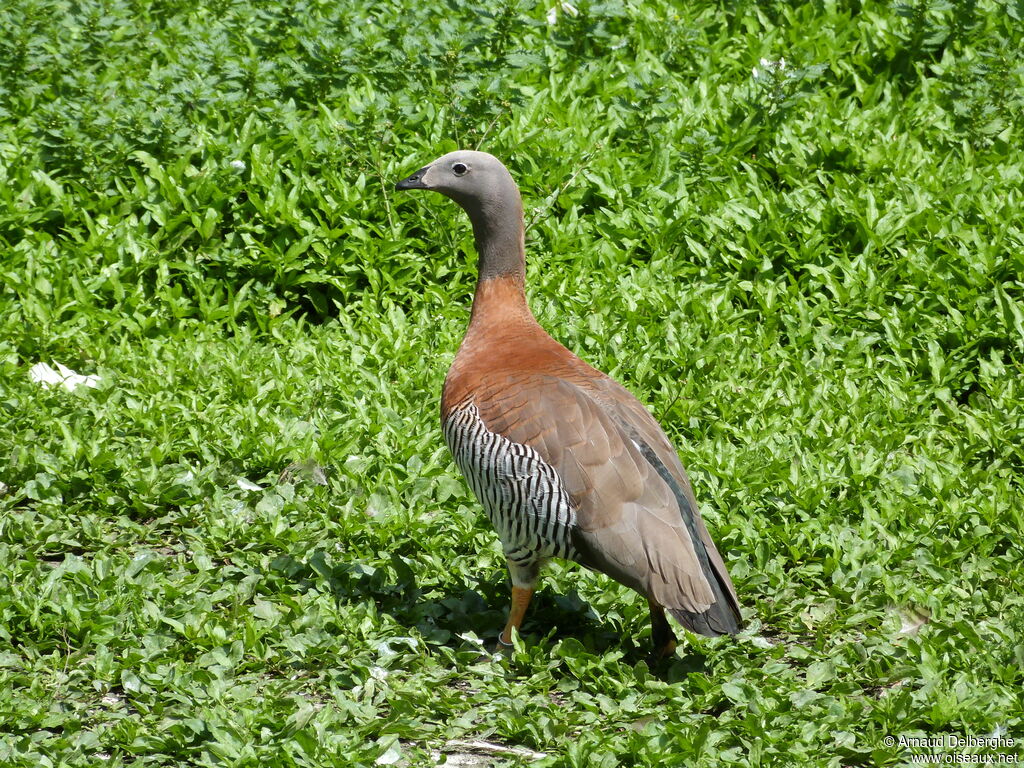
(663, 642)
(664, 650)
(502, 648)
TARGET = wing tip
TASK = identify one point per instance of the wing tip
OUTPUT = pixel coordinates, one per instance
(717, 620)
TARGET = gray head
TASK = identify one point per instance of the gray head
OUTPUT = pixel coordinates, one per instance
(467, 177)
(484, 188)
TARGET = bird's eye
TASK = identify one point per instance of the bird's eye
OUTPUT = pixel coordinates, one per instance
(459, 169)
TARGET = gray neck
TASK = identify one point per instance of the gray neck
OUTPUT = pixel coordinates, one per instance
(498, 231)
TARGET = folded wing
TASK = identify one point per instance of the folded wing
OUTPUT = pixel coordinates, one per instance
(637, 520)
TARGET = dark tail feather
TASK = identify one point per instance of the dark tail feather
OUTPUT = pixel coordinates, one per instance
(722, 618)
(713, 622)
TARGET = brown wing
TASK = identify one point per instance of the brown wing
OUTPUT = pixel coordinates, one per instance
(637, 421)
(632, 523)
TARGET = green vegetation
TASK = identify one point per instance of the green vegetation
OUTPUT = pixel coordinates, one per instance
(812, 274)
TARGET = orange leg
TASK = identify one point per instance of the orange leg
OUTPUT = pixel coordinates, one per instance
(661, 633)
(520, 600)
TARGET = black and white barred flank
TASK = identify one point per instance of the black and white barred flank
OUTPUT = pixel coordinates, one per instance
(521, 493)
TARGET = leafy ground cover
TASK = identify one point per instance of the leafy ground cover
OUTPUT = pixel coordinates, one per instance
(793, 229)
